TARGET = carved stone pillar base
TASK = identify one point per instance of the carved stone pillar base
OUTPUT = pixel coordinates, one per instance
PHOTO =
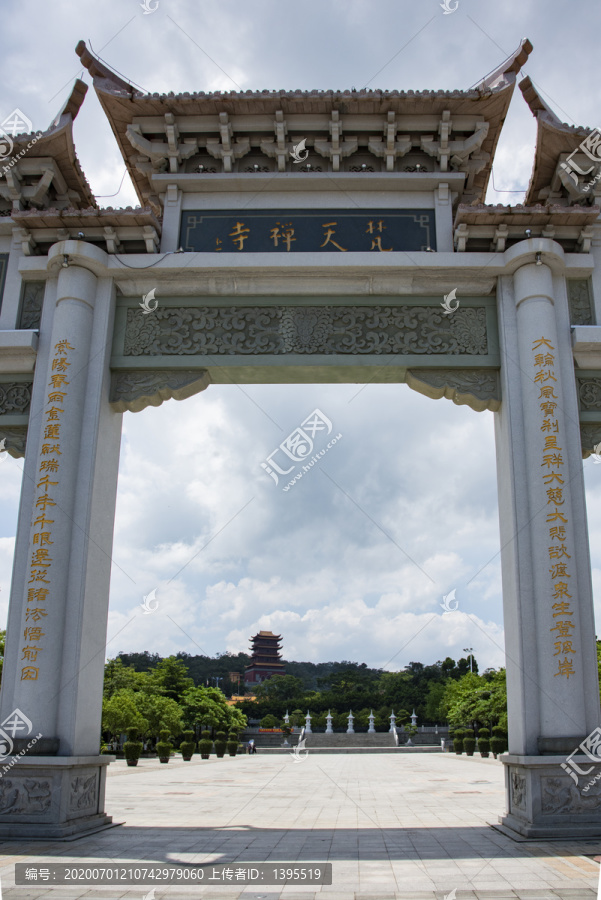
(55, 797)
(545, 802)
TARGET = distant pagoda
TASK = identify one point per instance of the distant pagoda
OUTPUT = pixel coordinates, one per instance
(265, 659)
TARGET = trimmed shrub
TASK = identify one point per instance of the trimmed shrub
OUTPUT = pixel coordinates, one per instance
(187, 746)
(205, 744)
(132, 748)
(163, 747)
(232, 747)
(498, 741)
(484, 741)
(469, 742)
(220, 744)
(458, 741)
(269, 721)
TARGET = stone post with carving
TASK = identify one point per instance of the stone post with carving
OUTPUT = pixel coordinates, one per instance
(55, 648)
(552, 682)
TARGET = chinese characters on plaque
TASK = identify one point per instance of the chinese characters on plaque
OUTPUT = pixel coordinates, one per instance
(552, 474)
(39, 585)
(298, 231)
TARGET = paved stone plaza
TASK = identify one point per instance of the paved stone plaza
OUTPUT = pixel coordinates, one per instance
(392, 825)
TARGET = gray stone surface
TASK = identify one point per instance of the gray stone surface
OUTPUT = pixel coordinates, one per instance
(399, 827)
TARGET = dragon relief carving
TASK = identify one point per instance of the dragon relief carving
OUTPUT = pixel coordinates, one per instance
(518, 791)
(24, 796)
(354, 330)
(560, 796)
(83, 792)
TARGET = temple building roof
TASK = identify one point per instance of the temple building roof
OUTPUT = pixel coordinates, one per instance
(555, 141)
(253, 131)
(489, 227)
(115, 230)
(48, 173)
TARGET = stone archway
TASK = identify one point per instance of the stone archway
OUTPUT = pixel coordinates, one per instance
(522, 345)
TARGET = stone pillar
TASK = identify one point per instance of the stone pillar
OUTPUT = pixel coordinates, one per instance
(55, 647)
(552, 682)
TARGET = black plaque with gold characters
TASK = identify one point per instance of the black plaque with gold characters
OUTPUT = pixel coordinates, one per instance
(307, 231)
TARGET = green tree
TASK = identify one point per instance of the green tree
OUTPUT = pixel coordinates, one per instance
(159, 713)
(269, 721)
(118, 677)
(205, 706)
(172, 677)
(434, 699)
(120, 713)
(280, 688)
(475, 699)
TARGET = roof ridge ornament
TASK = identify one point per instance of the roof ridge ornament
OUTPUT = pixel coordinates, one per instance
(507, 71)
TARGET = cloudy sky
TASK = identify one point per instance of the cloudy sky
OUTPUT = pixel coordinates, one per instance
(353, 561)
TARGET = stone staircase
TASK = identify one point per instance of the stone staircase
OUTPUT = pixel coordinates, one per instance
(340, 742)
(321, 741)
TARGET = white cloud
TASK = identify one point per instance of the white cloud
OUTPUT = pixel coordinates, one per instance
(354, 560)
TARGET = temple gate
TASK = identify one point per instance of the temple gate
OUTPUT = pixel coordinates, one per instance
(275, 267)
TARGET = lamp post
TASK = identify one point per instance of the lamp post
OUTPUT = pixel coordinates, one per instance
(470, 650)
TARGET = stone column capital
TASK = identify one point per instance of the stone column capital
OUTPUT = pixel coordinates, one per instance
(80, 254)
(525, 253)
(533, 281)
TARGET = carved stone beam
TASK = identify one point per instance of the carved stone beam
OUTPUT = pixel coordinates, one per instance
(457, 153)
(28, 244)
(154, 150)
(113, 244)
(12, 189)
(477, 388)
(444, 130)
(590, 435)
(391, 149)
(548, 232)
(472, 166)
(277, 148)
(440, 149)
(461, 236)
(575, 172)
(133, 391)
(500, 239)
(40, 190)
(336, 149)
(151, 239)
(36, 194)
(223, 148)
(462, 150)
(15, 437)
(177, 151)
(585, 238)
(162, 155)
